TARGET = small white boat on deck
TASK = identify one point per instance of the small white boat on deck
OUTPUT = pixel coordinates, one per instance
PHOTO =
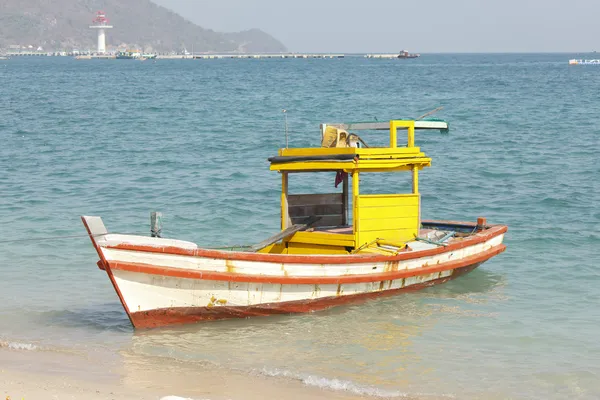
(333, 248)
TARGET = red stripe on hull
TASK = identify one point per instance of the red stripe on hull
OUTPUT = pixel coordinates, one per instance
(186, 315)
(299, 280)
(480, 237)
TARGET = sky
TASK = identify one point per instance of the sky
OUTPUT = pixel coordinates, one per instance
(358, 26)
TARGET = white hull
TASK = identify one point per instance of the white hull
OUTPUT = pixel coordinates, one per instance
(164, 281)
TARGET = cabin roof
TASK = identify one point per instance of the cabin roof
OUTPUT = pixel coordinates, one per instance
(433, 124)
(359, 159)
(348, 159)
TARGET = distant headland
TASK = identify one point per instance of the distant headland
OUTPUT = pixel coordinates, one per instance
(65, 26)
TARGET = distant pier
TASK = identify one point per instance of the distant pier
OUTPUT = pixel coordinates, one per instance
(292, 55)
(27, 53)
(99, 56)
(381, 55)
(202, 56)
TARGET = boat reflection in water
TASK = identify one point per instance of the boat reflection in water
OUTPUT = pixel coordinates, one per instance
(385, 347)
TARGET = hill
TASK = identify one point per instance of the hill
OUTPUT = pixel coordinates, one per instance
(63, 25)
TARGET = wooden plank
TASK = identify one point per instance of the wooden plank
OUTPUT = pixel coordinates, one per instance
(316, 209)
(325, 220)
(345, 200)
(385, 126)
(323, 238)
(369, 225)
(317, 151)
(388, 200)
(312, 248)
(314, 199)
(411, 211)
(382, 164)
(363, 152)
(286, 232)
(392, 155)
(285, 219)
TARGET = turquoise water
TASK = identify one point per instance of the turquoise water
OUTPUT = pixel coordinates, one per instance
(190, 138)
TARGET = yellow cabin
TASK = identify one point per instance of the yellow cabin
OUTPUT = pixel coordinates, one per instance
(319, 223)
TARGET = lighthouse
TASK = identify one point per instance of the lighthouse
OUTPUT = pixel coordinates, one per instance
(100, 23)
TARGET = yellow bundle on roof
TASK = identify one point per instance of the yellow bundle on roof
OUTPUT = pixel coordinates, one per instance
(334, 137)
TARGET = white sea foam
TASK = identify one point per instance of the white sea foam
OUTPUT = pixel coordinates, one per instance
(176, 398)
(17, 346)
(342, 385)
(334, 384)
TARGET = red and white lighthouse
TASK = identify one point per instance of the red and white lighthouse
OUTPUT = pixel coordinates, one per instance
(101, 23)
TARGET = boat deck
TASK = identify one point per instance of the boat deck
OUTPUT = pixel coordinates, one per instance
(433, 235)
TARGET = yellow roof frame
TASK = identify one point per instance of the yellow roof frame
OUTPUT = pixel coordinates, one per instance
(352, 159)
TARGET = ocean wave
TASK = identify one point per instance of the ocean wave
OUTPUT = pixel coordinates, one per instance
(18, 346)
(178, 398)
(347, 386)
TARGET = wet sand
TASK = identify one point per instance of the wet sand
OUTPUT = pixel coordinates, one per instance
(58, 375)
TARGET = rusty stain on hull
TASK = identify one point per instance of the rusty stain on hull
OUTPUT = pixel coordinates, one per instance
(183, 315)
(316, 291)
(391, 266)
(229, 266)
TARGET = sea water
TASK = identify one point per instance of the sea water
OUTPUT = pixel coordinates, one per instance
(191, 138)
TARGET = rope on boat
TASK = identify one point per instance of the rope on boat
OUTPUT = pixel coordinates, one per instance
(237, 246)
(364, 246)
(429, 113)
(232, 248)
(59, 237)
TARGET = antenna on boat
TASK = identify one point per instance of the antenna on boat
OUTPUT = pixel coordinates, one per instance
(429, 113)
(286, 127)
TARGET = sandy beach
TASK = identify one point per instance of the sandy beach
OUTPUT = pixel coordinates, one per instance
(33, 375)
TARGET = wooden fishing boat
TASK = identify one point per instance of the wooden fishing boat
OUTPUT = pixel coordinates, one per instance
(333, 248)
(406, 54)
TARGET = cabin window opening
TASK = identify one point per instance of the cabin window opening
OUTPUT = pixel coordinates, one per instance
(315, 194)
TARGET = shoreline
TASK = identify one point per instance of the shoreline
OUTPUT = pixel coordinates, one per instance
(31, 374)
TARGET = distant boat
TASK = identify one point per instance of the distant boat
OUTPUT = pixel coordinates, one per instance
(406, 54)
(4, 57)
(584, 62)
(128, 55)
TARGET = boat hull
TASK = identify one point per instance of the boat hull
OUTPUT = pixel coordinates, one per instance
(192, 314)
(165, 282)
